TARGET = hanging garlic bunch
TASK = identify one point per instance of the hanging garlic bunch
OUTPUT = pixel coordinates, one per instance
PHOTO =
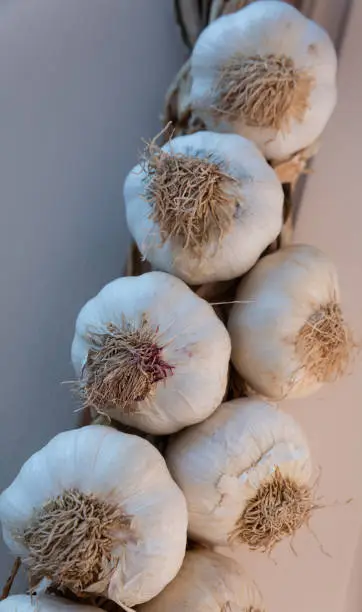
(245, 473)
(208, 582)
(265, 72)
(96, 511)
(287, 328)
(204, 206)
(151, 353)
(43, 603)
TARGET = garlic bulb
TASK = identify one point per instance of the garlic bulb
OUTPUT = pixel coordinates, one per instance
(208, 582)
(267, 73)
(287, 331)
(151, 353)
(204, 207)
(96, 511)
(245, 473)
(44, 603)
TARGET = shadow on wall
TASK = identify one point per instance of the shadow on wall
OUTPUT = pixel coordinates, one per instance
(354, 590)
(82, 83)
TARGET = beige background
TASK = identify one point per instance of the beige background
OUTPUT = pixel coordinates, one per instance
(81, 82)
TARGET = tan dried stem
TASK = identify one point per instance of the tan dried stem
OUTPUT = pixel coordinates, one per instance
(191, 197)
(289, 170)
(324, 344)
(279, 508)
(122, 366)
(71, 538)
(266, 91)
(222, 7)
(10, 581)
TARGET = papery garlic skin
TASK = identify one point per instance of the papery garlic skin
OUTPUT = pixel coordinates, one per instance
(273, 303)
(207, 582)
(44, 603)
(266, 28)
(256, 222)
(195, 344)
(121, 469)
(220, 464)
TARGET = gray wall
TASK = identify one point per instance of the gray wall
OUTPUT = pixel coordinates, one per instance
(81, 82)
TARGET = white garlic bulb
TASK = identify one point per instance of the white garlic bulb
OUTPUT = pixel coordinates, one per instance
(97, 511)
(151, 353)
(245, 473)
(208, 582)
(286, 326)
(204, 207)
(268, 73)
(43, 603)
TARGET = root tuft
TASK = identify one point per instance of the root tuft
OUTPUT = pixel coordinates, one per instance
(278, 510)
(267, 91)
(324, 344)
(123, 366)
(71, 538)
(191, 196)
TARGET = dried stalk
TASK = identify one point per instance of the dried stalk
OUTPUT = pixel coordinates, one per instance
(10, 581)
